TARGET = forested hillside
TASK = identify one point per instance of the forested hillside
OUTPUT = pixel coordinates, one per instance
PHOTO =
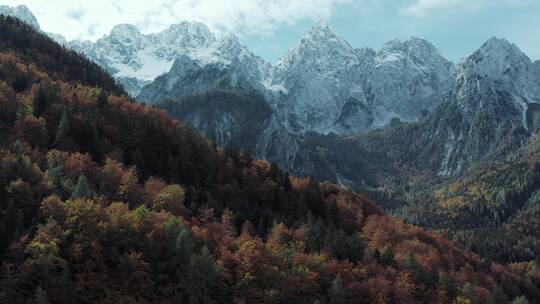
(491, 209)
(106, 201)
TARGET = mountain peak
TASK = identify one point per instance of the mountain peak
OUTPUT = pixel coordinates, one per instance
(495, 41)
(21, 12)
(126, 34)
(320, 46)
(411, 44)
(192, 28)
(182, 64)
(125, 29)
(536, 69)
(420, 41)
(500, 46)
(230, 39)
(320, 25)
(321, 41)
(499, 64)
(189, 34)
(321, 30)
(229, 47)
(496, 55)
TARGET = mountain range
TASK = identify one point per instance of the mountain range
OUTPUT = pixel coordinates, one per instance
(402, 124)
(357, 89)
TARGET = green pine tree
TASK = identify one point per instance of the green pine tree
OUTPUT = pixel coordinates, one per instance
(62, 139)
(449, 284)
(387, 257)
(40, 296)
(520, 300)
(82, 188)
(102, 100)
(17, 148)
(415, 269)
(377, 255)
(40, 101)
(468, 292)
(497, 296)
(337, 294)
(203, 277)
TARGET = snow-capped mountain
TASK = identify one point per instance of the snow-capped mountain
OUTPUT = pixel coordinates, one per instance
(332, 87)
(491, 113)
(502, 65)
(492, 110)
(136, 59)
(536, 68)
(225, 63)
(495, 86)
(321, 79)
(325, 85)
(409, 78)
(22, 12)
(501, 69)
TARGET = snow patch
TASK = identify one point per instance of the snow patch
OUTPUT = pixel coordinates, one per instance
(344, 181)
(449, 148)
(149, 68)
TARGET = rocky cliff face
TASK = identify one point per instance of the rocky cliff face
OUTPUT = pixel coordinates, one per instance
(408, 79)
(321, 81)
(136, 59)
(331, 87)
(491, 111)
(495, 87)
(536, 69)
(223, 101)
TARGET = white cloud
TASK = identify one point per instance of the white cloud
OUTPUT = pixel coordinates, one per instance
(424, 7)
(91, 19)
(76, 12)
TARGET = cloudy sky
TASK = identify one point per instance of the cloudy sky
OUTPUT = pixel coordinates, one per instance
(269, 27)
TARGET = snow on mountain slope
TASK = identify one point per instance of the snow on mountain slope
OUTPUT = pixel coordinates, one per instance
(536, 68)
(492, 111)
(321, 78)
(489, 108)
(136, 59)
(335, 88)
(22, 12)
(322, 84)
(498, 66)
(409, 78)
(502, 63)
